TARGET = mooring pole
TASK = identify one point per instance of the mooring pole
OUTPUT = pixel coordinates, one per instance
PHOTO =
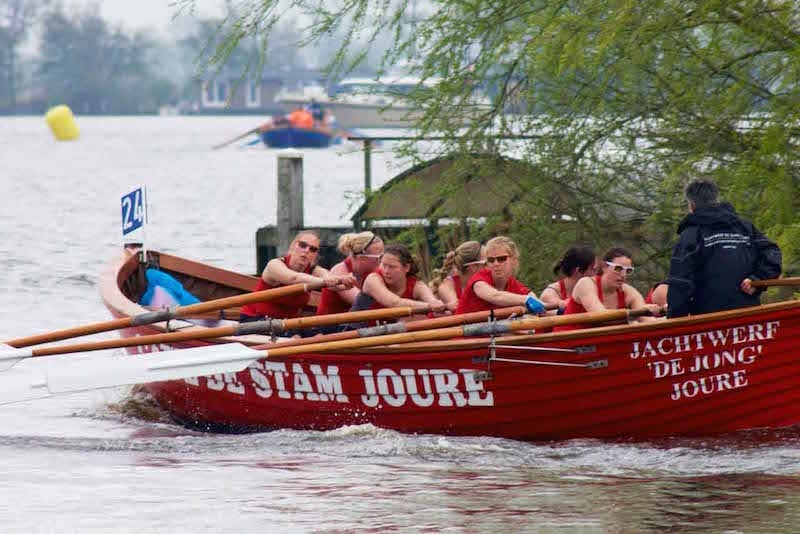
(367, 166)
(290, 197)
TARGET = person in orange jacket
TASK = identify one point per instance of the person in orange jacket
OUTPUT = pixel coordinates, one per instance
(301, 118)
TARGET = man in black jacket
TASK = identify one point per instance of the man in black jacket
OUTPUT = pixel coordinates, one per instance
(717, 257)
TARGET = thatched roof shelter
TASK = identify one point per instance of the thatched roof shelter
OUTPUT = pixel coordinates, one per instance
(454, 187)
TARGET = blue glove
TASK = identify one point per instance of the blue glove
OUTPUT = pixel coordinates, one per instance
(534, 305)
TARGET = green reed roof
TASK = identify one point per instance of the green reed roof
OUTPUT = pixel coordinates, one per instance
(460, 186)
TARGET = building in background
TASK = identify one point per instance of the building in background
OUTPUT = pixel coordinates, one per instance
(227, 92)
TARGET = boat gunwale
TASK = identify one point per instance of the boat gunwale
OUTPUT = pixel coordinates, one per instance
(123, 266)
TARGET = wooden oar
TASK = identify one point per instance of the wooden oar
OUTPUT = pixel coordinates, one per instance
(53, 375)
(9, 356)
(163, 315)
(470, 330)
(777, 282)
(242, 136)
(413, 326)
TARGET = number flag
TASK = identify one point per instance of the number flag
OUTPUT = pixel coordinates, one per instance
(133, 211)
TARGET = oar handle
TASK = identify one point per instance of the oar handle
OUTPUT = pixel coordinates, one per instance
(776, 282)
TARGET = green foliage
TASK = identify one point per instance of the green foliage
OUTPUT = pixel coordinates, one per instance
(627, 101)
(95, 68)
(17, 18)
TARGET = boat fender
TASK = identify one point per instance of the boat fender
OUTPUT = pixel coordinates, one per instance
(487, 329)
(382, 330)
(268, 327)
(164, 290)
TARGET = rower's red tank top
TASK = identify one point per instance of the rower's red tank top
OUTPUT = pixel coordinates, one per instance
(331, 301)
(562, 289)
(287, 307)
(408, 292)
(470, 302)
(574, 307)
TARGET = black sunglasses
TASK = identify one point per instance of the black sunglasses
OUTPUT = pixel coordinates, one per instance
(498, 259)
(304, 245)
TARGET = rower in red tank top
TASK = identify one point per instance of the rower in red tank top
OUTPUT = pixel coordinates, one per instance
(495, 286)
(408, 292)
(574, 307)
(575, 263)
(471, 302)
(363, 251)
(394, 284)
(298, 266)
(458, 267)
(286, 307)
(607, 291)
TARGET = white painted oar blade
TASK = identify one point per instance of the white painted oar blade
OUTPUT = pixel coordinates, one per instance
(42, 377)
(11, 355)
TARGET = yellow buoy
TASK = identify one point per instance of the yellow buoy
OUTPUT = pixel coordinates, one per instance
(62, 123)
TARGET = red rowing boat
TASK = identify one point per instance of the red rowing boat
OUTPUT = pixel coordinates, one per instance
(702, 375)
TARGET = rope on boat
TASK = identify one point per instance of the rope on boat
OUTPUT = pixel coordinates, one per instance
(536, 362)
(382, 330)
(597, 364)
(268, 326)
(153, 316)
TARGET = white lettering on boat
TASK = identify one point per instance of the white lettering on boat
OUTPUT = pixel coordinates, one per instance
(227, 381)
(268, 377)
(423, 387)
(313, 382)
(714, 338)
(708, 362)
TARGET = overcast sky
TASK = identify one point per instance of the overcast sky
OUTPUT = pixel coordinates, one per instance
(139, 14)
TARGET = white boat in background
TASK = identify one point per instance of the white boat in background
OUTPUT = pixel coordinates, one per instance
(364, 102)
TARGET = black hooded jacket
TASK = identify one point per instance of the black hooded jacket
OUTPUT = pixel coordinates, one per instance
(716, 250)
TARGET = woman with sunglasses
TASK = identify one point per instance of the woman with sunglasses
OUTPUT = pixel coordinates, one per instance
(608, 290)
(394, 283)
(299, 266)
(458, 267)
(576, 263)
(495, 286)
(363, 251)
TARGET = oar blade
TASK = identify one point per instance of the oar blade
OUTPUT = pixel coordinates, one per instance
(9, 356)
(37, 378)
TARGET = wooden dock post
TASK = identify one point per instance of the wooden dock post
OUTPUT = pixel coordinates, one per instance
(273, 241)
(290, 197)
